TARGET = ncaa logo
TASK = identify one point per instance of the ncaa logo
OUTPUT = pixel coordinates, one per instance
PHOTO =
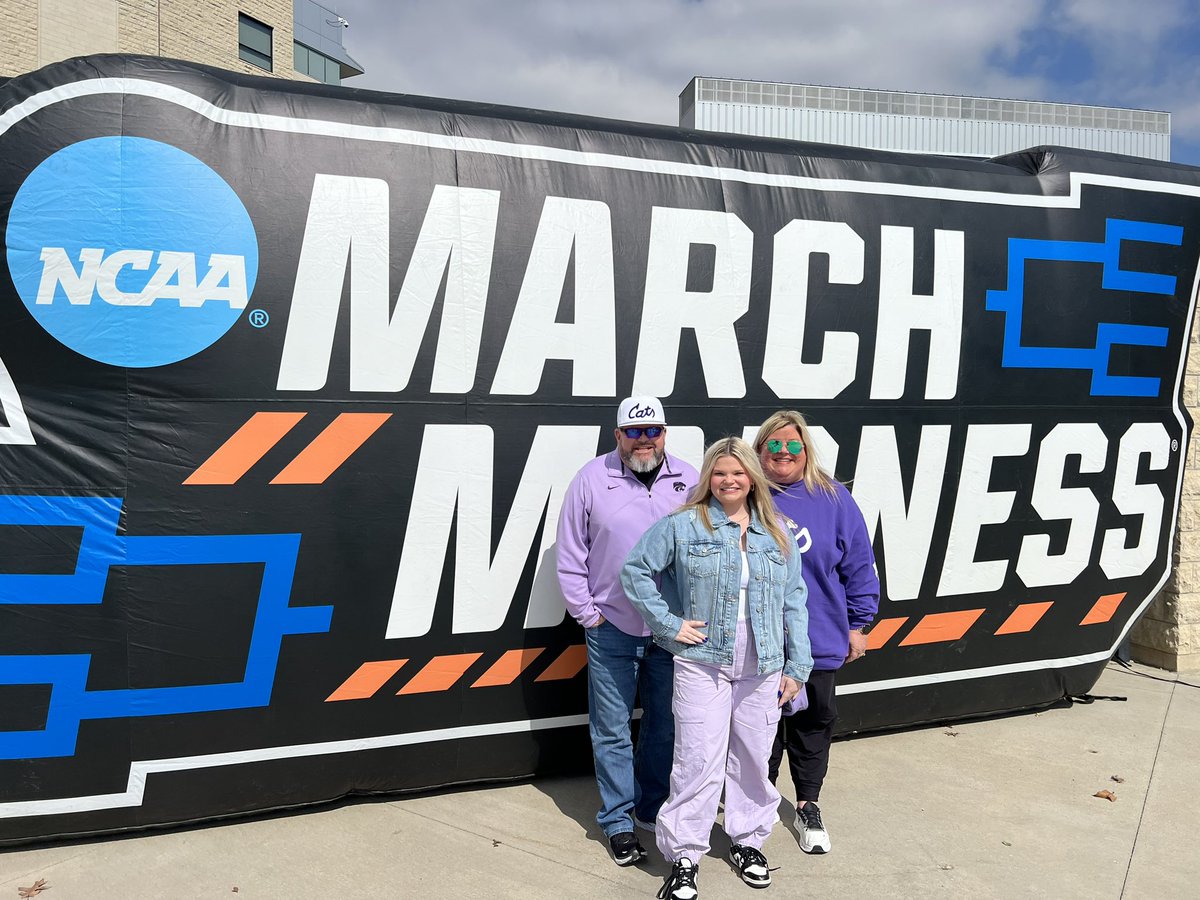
(130, 251)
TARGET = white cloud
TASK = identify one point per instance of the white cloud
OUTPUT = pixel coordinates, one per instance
(631, 58)
(1119, 23)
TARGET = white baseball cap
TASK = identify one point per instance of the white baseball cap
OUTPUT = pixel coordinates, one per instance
(643, 410)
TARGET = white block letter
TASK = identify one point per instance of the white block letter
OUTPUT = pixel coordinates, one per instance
(976, 506)
(879, 492)
(1036, 566)
(783, 370)
(483, 584)
(590, 342)
(348, 223)
(1133, 499)
(17, 430)
(669, 307)
(901, 312)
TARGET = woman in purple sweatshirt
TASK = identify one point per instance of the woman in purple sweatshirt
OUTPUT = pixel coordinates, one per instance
(843, 597)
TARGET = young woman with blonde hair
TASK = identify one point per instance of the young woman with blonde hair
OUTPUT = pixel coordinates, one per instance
(719, 584)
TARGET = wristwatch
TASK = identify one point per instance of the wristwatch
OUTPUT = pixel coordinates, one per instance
(863, 629)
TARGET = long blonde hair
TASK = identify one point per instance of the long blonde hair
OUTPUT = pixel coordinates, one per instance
(815, 477)
(760, 488)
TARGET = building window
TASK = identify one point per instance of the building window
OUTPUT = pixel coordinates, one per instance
(254, 42)
(317, 65)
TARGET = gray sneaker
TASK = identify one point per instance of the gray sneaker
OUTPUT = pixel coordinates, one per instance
(813, 836)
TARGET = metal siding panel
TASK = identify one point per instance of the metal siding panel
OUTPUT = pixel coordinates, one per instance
(930, 134)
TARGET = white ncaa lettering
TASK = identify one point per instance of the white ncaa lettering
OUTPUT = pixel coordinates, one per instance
(173, 279)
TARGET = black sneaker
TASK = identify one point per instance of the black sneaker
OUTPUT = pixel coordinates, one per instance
(681, 883)
(813, 836)
(751, 865)
(625, 848)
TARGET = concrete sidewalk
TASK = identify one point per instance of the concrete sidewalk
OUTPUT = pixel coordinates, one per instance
(1000, 808)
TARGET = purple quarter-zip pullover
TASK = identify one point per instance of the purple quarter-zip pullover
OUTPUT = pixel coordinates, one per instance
(605, 511)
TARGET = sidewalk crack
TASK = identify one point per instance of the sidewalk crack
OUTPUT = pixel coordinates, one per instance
(1149, 783)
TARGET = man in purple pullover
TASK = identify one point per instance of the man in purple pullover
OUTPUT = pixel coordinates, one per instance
(608, 506)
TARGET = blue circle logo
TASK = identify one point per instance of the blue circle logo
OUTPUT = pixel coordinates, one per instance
(130, 251)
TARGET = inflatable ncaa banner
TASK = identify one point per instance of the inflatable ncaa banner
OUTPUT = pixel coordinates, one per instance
(294, 378)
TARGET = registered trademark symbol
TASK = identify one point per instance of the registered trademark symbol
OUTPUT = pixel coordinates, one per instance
(1174, 446)
(259, 318)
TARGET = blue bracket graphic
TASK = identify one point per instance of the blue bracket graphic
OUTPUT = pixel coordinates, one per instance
(100, 548)
(1011, 302)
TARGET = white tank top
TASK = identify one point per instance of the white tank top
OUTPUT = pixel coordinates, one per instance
(744, 609)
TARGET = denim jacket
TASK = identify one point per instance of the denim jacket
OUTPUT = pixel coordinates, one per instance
(701, 580)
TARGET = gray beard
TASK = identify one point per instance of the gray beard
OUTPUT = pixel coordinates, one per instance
(636, 465)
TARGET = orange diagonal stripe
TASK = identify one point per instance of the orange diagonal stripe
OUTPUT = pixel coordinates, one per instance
(439, 673)
(367, 679)
(883, 631)
(569, 664)
(937, 627)
(1103, 609)
(331, 448)
(506, 669)
(1023, 618)
(244, 448)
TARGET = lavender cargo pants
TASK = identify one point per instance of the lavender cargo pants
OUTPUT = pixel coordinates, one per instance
(725, 723)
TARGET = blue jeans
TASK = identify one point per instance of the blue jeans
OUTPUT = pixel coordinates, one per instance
(631, 782)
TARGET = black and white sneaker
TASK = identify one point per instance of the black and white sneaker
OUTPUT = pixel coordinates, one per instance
(625, 848)
(813, 836)
(681, 883)
(751, 865)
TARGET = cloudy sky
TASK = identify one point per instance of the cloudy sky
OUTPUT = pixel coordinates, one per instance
(629, 59)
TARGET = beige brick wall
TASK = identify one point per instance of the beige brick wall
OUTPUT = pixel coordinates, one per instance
(18, 38)
(205, 31)
(1168, 635)
(68, 28)
(137, 27)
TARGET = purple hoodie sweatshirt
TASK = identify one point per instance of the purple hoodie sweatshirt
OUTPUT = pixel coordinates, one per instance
(605, 512)
(839, 567)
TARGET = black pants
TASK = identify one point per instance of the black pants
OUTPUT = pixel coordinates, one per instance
(806, 736)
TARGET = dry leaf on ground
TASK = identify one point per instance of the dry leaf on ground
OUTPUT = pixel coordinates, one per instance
(1106, 795)
(34, 889)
